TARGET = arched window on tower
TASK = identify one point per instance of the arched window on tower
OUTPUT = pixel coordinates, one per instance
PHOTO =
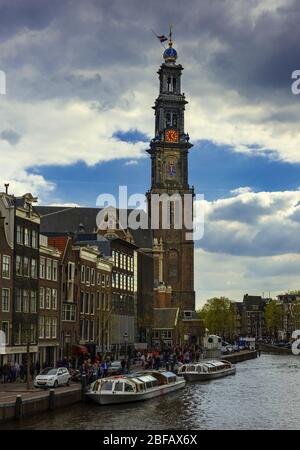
(174, 120)
(174, 84)
(168, 120)
(169, 84)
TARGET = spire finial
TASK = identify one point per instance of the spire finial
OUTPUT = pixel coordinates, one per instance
(170, 36)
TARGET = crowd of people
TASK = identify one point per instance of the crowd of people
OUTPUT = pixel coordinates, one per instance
(12, 372)
(98, 366)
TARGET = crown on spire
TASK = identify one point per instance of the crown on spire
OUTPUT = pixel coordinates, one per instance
(170, 54)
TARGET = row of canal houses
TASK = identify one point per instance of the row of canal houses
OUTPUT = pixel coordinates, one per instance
(65, 293)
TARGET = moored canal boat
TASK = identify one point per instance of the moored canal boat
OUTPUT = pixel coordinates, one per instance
(206, 370)
(131, 388)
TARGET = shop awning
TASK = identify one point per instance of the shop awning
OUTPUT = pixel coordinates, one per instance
(79, 349)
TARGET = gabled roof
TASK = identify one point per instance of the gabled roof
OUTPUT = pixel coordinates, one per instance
(165, 318)
(60, 219)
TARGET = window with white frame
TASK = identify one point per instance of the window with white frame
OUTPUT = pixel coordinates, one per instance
(5, 329)
(54, 328)
(42, 298)
(103, 281)
(18, 333)
(42, 267)
(88, 275)
(25, 301)
(32, 333)
(69, 312)
(107, 280)
(34, 239)
(26, 266)
(82, 297)
(19, 235)
(49, 269)
(86, 329)
(19, 270)
(48, 327)
(33, 301)
(18, 306)
(5, 266)
(5, 300)
(82, 274)
(48, 298)
(92, 276)
(87, 302)
(54, 299)
(92, 304)
(26, 237)
(33, 268)
(91, 330)
(98, 300)
(81, 328)
(41, 327)
(54, 270)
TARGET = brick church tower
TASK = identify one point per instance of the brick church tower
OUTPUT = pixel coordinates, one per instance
(173, 252)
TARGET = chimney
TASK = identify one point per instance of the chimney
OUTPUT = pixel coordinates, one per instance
(6, 185)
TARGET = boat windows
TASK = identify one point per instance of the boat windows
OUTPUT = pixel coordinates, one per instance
(119, 386)
(128, 387)
(170, 377)
(107, 386)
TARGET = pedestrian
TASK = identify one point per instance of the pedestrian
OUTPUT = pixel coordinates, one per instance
(123, 364)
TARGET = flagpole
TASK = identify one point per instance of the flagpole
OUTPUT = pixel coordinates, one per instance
(155, 34)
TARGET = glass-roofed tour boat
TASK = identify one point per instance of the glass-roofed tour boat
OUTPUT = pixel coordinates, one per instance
(131, 388)
(206, 370)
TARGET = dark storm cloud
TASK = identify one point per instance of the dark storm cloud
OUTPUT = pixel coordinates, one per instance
(11, 136)
(96, 35)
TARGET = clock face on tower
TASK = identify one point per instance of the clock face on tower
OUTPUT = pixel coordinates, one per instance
(171, 136)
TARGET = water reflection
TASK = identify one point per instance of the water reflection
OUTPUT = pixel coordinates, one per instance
(264, 394)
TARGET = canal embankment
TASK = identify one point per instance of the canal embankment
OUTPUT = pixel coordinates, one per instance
(241, 356)
(17, 403)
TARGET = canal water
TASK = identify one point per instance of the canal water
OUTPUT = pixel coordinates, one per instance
(264, 394)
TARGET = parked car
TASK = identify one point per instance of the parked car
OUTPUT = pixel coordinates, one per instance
(115, 368)
(52, 377)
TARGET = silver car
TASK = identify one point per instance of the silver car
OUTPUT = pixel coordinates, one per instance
(51, 377)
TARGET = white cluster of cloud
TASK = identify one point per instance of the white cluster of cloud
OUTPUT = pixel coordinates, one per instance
(250, 239)
(78, 72)
(68, 92)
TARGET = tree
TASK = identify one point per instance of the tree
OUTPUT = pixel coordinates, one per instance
(219, 316)
(273, 316)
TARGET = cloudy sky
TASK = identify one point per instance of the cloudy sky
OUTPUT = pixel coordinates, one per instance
(76, 118)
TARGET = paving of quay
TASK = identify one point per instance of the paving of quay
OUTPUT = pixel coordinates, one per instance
(9, 391)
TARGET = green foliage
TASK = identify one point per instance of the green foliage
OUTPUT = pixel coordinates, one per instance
(273, 316)
(219, 316)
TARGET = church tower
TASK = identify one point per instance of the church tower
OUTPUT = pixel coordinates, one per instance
(169, 175)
